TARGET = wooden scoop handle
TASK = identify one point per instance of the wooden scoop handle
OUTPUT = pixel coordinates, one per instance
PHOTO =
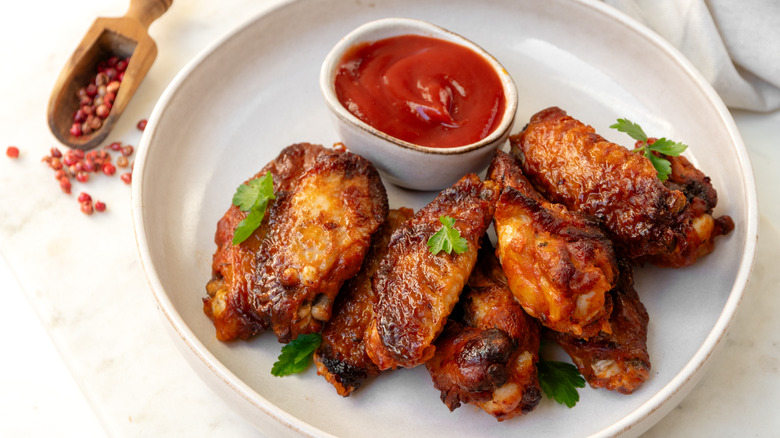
(146, 11)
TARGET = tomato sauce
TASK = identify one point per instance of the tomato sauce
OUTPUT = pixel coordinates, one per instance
(423, 90)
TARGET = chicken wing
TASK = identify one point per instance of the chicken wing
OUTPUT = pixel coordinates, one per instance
(570, 164)
(416, 289)
(232, 301)
(487, 357)
(342, 358)
(617, 361)
(314, 237)
(560, 264)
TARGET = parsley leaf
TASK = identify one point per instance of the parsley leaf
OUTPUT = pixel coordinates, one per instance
(663, 146)
(253, 198)
(667, 147)
(250, 223)
(447, 239)
(662, 166)
(559, 381)
(632, 129)
(295, 355)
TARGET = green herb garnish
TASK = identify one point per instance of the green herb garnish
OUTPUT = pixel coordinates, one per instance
(664, 146)
(253, 198)
(447, 239)
(559, 381)
(295, 355)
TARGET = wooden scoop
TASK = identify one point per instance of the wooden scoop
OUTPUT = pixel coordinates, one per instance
(123, 37)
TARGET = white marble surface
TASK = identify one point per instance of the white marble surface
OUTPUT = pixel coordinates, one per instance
(85, 352)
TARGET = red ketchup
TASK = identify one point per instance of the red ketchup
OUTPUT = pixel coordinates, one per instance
(423, 90)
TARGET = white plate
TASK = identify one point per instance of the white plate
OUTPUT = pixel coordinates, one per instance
(232, 109)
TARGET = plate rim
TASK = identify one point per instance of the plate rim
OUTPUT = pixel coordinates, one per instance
(654, 408)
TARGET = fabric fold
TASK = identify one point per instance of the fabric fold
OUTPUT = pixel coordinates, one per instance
(733, 44)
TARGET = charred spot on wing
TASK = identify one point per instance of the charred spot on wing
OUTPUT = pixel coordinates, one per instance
(345, 373)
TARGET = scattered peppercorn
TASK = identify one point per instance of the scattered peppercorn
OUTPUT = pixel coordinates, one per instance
(12, 152)
(86, 207)
(109, 169)
(141, 124)
(77, 164)
(65, 184)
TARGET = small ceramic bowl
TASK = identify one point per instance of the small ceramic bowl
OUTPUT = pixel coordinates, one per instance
(402, 163)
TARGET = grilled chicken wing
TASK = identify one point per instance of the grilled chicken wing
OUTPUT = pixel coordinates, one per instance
(342, 358)
(487, 357)
(560, 264)
(417, 290)
(569, 163)
(315, 237)
(232, 301)
(617, 361)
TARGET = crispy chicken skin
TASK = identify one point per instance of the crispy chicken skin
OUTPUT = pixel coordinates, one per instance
(570, 164)
(487, 356)
(560, 264)
(314, 238)
(417, 290)
(232, 301)
(617, 361)
(342, 358)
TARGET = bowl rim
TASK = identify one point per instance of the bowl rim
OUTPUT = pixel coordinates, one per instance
(396, 26)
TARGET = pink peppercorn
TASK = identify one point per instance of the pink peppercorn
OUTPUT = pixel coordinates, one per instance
(65, 184)
(84, 197)
(102, 111)
(109, 169)
(86, 208)
(75, 129)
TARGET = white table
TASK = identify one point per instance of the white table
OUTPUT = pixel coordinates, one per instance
(84, 351)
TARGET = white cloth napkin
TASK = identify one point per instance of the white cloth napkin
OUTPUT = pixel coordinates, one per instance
(735, 44)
